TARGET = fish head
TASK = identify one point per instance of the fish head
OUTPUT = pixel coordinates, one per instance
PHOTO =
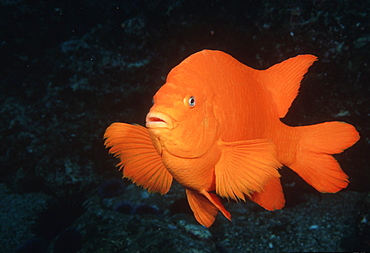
(181, 120)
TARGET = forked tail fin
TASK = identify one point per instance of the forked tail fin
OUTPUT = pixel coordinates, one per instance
(314, 160)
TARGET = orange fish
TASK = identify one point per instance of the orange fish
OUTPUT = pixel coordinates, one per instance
(215, 128)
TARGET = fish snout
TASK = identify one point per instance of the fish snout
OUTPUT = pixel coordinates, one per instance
(159, 120)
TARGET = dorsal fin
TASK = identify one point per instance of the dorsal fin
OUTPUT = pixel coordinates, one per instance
(283, 80)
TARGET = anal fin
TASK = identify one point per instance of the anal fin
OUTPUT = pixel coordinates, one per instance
(271, 197)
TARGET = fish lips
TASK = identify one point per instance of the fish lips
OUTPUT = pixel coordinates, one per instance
(158, 120)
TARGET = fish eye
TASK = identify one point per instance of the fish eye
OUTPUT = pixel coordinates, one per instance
(191, 101)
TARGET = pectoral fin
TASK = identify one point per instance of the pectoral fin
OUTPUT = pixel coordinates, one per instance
(245, 167)
(142, 164)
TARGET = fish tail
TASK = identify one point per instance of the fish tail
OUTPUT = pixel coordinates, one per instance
(314, 161)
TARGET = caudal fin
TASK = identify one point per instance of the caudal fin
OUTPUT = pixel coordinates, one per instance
(314, 160)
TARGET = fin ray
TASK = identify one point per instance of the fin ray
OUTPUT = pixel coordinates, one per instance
(139, 159)
(245, 167)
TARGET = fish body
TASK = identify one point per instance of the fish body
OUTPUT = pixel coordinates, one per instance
(215, 128)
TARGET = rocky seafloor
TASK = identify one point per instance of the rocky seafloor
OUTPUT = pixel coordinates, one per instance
(71, 68)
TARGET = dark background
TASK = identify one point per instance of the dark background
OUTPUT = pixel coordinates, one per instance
(71, 68)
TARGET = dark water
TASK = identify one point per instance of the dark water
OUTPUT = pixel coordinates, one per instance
(71, 68)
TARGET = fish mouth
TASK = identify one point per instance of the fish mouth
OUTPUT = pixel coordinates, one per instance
(159, 120)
